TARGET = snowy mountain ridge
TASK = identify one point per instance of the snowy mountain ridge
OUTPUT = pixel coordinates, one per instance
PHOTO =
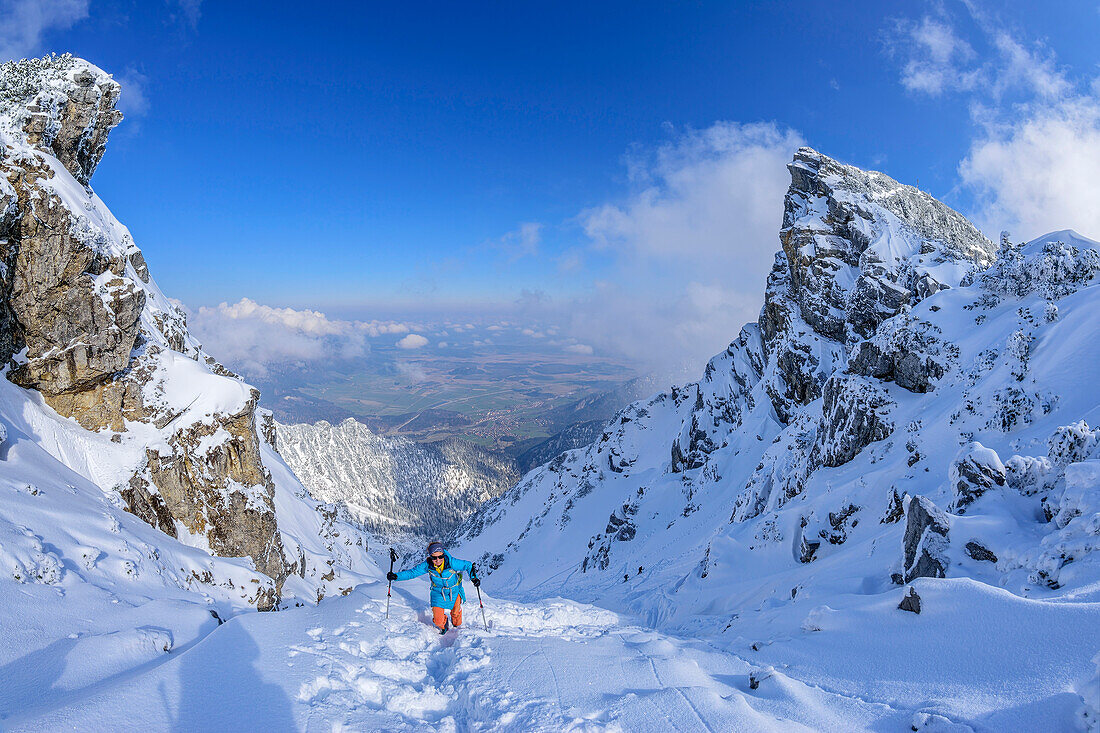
(913, 403)
(392, 485)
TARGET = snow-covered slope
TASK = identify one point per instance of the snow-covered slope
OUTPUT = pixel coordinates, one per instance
(905, 409)
(394, 485)
(552, 666)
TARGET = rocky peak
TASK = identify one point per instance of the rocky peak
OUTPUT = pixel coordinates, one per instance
(83, 323)
(857, 248)
(859, 245)
(60, 105)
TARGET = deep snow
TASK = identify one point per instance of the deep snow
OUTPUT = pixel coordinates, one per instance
(550, 665)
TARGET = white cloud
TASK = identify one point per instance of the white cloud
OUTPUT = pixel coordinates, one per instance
(938, 59)
(23, 23)
(252, 337)
(1031, 166)
(579, 349)
(1040, 173)
(523, 242)
(412, 341)
(692, 246)
(133, 102)
(571, 260)
(412, 372)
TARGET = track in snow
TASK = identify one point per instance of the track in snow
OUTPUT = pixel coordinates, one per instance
(549, 665)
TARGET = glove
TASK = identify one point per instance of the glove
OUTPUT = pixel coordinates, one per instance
(391, 576)
(476, 582)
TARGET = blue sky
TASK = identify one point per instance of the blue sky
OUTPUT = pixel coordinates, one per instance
(373, 158)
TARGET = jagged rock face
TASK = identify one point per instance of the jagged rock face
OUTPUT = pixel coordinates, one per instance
(925, 541)
(853, 417)
(76, 309)
(83, 323)
(840, 398)
(216, 487)
(61, 105)
(858, 247)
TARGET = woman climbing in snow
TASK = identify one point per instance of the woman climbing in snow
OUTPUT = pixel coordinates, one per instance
(445, 572)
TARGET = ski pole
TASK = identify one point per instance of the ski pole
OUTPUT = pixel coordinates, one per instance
(389, 583)
(478, 589)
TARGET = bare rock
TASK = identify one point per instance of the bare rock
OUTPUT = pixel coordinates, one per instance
(895, 509)
(218, 490)
(64, 106)
(807, 548)
(911, 602)
(979, 552)
(77, 318)
(924, 544)
(840, 523)
(854, 415)
(268, 430)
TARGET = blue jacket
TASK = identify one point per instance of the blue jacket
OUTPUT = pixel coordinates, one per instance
(446, 584)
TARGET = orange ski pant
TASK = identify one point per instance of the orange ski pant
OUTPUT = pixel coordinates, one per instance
(439, 614)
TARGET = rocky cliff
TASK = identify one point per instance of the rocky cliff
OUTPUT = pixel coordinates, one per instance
(84, 325)
(913, 402)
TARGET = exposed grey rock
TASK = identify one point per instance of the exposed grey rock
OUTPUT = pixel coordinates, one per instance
(975, 470)
(839, 524)
(807, 548)
(924, 544)
(854, 415)
(833, 280)
(222, 492)
(269, 431)
(895, 509)
(912, 370)
(979, 552)
(911, 601)
(76, 311)
(61, 105)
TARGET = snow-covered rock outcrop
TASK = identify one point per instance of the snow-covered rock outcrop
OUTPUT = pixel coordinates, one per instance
(910, 406)
(167, 432)
(392, 485)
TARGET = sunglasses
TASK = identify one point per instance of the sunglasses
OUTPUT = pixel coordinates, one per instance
(435, 557)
